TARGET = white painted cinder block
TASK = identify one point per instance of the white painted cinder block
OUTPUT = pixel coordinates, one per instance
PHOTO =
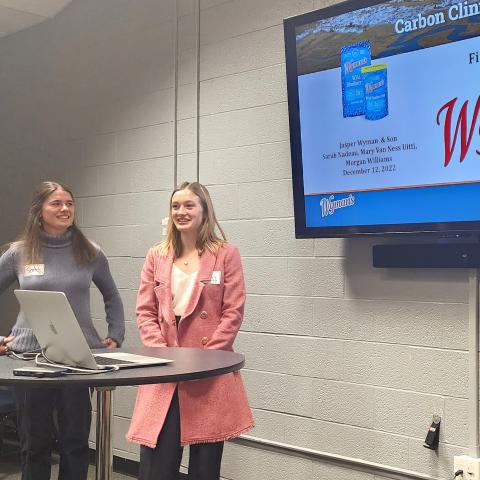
(455, 421)
(126, 271)
(244, 127)
(187, 29)
(243, 463)
(267, 238)
(127, 177)
(268, 161)
(279, 393)
(323, 277)
(124, 401)
(187, 101)
(129, 209)
(275, 314)
(347, 440)
(145, 236)
(211, 3)
(114, 241)
(342, 402)
(292, 355)
(132, 336)
(99, 150)
(265, 199)
(343, 319)
(187, 67)
(129, 299)
(243, 90)
(322, 471)
(434, 371)
(186, 169)
(269, 425)
(407, 413)
(148, 142)
(266, 275)
(226, 202)
(151, 108)
(329, 247)
(415, 323)
(187, 135)
(429, 462)
(239, 17)
(119, 430)
(239, 54)
(185, 7)
(125, 241)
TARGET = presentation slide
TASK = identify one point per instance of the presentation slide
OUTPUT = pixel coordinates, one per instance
(392, 130)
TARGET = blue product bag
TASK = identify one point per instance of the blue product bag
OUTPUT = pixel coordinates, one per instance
(376, 93)
(352, 59)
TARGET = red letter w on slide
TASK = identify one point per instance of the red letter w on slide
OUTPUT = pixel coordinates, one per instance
(462, 126)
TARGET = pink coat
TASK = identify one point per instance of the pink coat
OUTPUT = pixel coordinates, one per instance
(212, 409)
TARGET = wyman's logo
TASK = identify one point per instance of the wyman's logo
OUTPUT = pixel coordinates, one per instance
(351, 66)
(370, 87)
(329, 204)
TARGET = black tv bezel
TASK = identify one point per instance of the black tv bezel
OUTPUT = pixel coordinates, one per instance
(452, 228)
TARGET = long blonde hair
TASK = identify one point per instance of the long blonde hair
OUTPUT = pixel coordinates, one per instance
(207, 237)
(30, 241)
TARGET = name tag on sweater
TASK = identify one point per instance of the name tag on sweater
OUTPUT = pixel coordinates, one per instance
(36, 269)
(216, 277)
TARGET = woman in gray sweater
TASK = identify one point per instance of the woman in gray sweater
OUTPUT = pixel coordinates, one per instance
(53, 254)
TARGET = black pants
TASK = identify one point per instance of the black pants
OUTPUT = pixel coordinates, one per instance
(35, 412)
(163, 461)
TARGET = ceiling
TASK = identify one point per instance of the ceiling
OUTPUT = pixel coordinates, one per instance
(16, 15)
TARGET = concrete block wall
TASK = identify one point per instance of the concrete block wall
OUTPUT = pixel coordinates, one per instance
(341, 358)
(125, 170)
(91, 102)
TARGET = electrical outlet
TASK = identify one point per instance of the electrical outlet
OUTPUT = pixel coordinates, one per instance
(470, 467)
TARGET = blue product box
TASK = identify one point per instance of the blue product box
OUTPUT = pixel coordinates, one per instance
(352, 59)
(376, 92)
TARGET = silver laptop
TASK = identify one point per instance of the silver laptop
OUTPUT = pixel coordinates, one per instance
(53, 322)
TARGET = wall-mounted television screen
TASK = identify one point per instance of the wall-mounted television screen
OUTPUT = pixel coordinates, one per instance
(384, 106)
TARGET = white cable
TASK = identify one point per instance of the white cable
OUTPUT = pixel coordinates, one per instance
(74, 370)
(18, 357)
(22, 356)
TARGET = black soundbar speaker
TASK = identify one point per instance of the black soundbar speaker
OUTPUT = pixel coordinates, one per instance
(460, 255)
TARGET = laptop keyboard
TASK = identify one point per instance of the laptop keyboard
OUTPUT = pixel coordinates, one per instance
(110, 361)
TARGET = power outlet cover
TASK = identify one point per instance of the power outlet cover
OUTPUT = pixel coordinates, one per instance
(469, 465)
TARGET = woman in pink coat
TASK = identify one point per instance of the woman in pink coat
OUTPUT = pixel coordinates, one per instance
(191, 294)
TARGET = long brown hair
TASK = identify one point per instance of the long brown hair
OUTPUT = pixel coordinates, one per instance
(30, 241)
(207, 237)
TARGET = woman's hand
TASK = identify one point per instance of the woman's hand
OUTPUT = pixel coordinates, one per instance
(4, 341)
(109, 343)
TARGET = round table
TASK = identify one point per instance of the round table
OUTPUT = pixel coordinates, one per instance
(188, 364)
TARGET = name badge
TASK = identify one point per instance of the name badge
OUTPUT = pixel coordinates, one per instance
(34, 270)
(216, 277)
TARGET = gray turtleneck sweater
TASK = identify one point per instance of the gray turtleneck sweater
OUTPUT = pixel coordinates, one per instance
(62, 273)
